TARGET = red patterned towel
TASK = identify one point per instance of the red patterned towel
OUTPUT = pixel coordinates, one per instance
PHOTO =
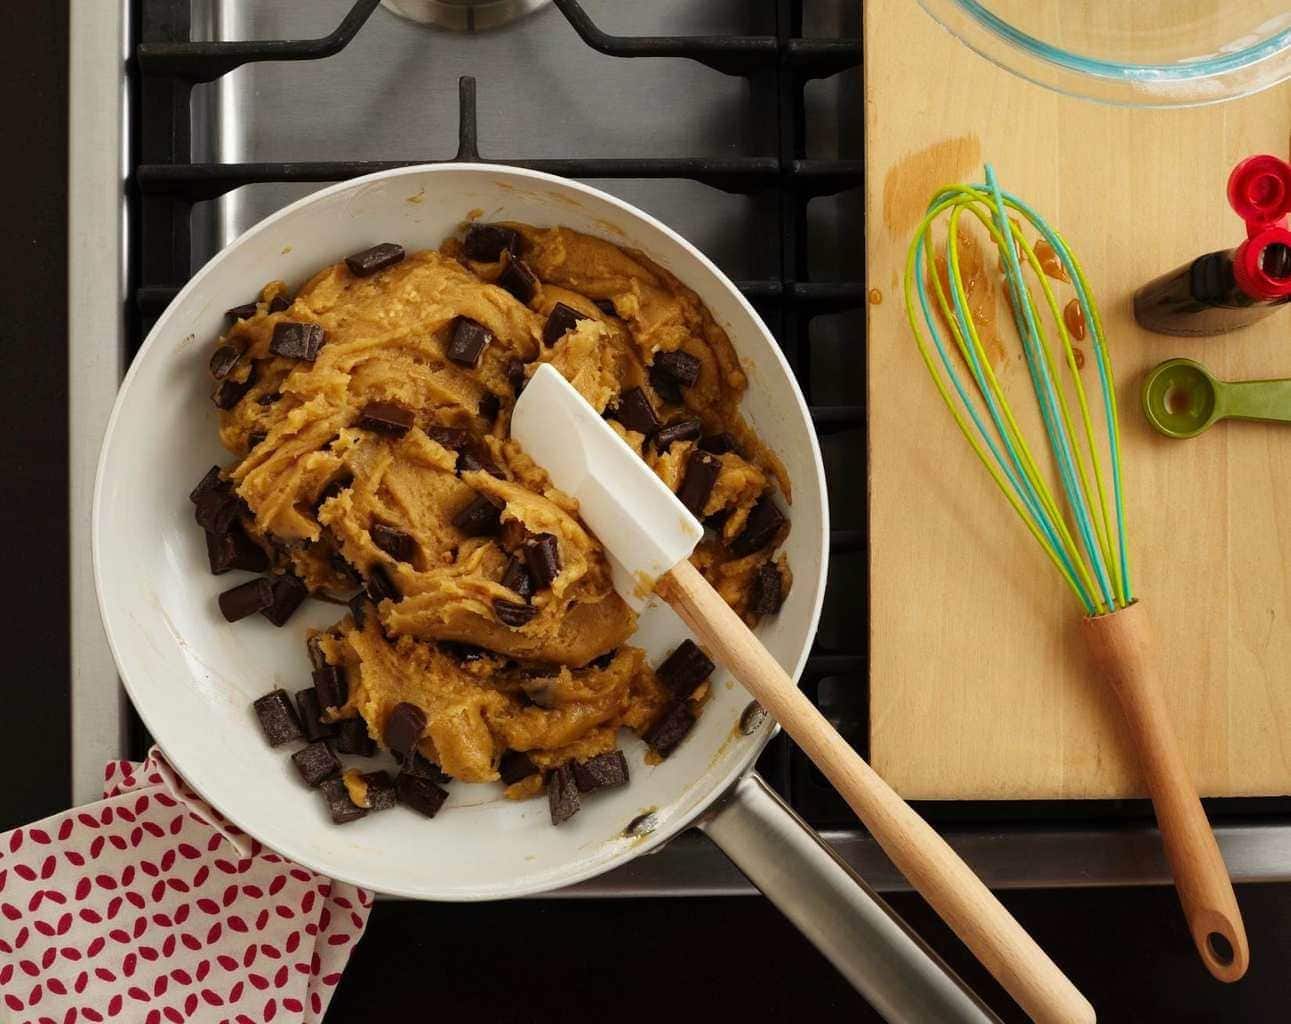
(150, 907)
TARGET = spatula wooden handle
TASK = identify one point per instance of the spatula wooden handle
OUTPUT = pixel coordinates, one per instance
(1124, 649)
(932, 867)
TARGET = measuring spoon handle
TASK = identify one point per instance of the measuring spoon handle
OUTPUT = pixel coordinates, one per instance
(1256, 400)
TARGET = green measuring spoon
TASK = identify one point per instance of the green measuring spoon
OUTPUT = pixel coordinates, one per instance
(1180, 399)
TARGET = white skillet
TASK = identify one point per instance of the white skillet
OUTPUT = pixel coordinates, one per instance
(192, 676)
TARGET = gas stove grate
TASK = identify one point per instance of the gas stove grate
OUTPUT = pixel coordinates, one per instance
(167, 184)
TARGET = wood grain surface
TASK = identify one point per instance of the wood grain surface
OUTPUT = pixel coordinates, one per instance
(980, 685)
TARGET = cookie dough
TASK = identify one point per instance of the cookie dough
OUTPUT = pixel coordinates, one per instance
(322, 488)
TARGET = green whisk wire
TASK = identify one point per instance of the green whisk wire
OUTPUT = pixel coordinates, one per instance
(1091, 554)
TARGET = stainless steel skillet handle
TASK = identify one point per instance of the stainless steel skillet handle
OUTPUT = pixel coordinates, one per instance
(899, 975)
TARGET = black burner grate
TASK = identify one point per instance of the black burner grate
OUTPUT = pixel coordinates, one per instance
(167, 184)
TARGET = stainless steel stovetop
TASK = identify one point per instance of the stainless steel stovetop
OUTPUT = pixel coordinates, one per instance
(158, 187)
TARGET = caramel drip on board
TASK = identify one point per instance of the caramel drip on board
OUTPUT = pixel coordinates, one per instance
(1074, 317)
(1049, 261)
(978, 289)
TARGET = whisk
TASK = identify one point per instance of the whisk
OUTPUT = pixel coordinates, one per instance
(1081, 527)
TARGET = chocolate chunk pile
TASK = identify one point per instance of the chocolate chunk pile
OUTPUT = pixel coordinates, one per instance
(221, 513)
(349, 794)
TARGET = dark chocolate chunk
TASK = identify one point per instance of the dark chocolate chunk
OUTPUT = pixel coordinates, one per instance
(516, 765)
(288, 593)
(404, 726)
(314, 645)
(424, 769)
(316, 762)
(224, 358)
(635, 412)
(561, 320)
(333, 488)
(218, 508)
(398, 545)
(606, 306)
(517, 578)
(519, 280)
(246, 599)
(369, 261)
(682, 430)
(452, 438)
(602, 661)
(543, 557)
(671, 729)
(277, 718)
(562, 794)
(385, 418)
(604, 771)
(230, 392)
(476, 456)
(352, 738)
(343, 568)
(381, 791)
(462, 652)
(339, 805)
(279, 303)
(293, 340)
(767, 594)
(486, 242)
(668, 390)
(702, 470)
(244, 312)
(480, 518)
(515, 375)
(680, 366)
(512, 535)
(685, 668)
(311, 715)
(268, 398)
(330, 686)
(209, 484)
(718, 444)
(717, 521)
(760, 529)
(512, 614)
(420, 793)
(468, 342)
(489, 406)
(233, 549)
(380, 586)
(359, 605)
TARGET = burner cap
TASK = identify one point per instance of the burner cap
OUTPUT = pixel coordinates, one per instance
(464, 15)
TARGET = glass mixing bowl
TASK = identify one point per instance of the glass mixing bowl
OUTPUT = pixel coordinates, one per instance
(1141, 53)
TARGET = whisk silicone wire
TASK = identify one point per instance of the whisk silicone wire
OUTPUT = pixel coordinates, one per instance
(1096, 568)
(1023, 475)
(1093, 319)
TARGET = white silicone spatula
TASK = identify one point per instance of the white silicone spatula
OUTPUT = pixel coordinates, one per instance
(650, 535)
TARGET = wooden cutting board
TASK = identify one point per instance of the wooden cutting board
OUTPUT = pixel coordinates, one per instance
(980, 687)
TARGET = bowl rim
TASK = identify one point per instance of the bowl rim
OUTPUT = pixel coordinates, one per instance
(1195, 82)
(752, 744)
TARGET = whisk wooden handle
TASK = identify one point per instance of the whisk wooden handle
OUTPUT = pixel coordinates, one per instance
(1123, 646)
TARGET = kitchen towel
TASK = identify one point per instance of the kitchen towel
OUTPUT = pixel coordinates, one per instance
(149, 907)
